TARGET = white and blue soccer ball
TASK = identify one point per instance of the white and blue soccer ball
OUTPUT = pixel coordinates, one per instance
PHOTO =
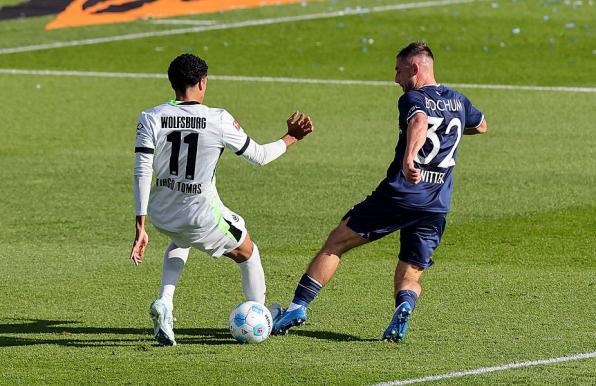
(250, 322)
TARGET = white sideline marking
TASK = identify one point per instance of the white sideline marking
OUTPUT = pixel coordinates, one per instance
(266, 79)
(483, 370)
(183, 21)
(523, 88)
(95, 74)
(247, 23)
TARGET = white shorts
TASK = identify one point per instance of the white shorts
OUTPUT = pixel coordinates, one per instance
(227, 232)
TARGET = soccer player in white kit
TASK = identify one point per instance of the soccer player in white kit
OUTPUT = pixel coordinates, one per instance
(182, 141)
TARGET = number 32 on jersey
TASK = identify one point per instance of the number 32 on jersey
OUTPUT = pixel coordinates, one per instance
(431, 134)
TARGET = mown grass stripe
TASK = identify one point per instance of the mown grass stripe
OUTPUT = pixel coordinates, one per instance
(241, 24)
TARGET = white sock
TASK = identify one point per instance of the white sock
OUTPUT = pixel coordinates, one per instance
(173, 263)
(253, 277)
(293, 306)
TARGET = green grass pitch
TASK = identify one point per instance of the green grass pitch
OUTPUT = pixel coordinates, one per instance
(515, 276)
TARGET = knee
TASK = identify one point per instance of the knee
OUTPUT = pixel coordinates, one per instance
(339, 241)
(243, 253)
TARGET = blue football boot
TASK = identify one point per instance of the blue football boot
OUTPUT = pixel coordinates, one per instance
(276, 311)
(288, 319)
(396, 332)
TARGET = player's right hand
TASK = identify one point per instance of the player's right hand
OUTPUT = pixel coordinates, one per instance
(300, 125)
(411, 173)
(139, 246)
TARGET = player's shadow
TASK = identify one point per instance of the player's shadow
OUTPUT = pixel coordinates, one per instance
(330, 335)
(66, 333)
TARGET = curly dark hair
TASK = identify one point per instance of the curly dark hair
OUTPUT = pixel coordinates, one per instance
(186, 71)
(413, 49)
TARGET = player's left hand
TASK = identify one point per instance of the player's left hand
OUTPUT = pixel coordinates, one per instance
(411, 173)
(139, 246)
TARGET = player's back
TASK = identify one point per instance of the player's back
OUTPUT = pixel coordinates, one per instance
(448, 113)
(188, 142)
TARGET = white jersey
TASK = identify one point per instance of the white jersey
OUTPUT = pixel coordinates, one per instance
(187, 140)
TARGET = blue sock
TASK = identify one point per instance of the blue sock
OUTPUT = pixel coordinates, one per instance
(306, 290)
(406, 296)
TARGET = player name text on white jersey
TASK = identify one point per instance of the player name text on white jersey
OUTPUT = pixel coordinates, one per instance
(183, 187)
(183, 122)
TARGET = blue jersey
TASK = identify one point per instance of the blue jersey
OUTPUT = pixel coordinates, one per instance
(448, 112)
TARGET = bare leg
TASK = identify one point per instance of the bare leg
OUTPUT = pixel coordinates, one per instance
(407, 277)
(407, 290)
(319, 273)
(325, 263)
(243, 252)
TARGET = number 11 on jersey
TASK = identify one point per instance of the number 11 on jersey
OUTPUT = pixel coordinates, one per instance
(192, 140)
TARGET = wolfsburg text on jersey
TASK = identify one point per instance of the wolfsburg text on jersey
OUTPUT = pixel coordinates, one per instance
(183, 122)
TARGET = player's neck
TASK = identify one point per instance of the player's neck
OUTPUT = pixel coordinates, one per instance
(425, 81)
(190, 96)
(183, 99)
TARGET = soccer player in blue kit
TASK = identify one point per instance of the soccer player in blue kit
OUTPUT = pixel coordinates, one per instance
(414, 197)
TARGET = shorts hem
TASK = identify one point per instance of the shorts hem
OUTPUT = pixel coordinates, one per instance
(417, 263)
(242, 238)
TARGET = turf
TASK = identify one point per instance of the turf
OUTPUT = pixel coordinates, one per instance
(514, 279)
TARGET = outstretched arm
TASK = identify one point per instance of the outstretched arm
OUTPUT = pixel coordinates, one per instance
(299, 126)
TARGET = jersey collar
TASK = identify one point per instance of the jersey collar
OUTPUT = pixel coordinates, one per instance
(175, 102)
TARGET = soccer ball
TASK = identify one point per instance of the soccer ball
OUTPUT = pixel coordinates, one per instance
(250, 322)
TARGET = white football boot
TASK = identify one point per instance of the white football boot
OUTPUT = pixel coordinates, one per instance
(163, 323)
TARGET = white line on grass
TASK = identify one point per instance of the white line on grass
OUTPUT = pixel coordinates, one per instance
(183, 21)
(247, 23)
(483, 370)
(266, 79)
(92, 74)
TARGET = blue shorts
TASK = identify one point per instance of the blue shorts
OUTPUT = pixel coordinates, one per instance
(420, 232)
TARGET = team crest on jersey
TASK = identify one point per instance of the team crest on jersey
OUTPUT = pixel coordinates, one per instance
(236, 125)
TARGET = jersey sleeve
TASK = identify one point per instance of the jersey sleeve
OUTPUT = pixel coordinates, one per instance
(144, 149)
(410, 104)
(145, 139)
(236, 139)
(233, 135)
(473, 116)
(141, 185)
